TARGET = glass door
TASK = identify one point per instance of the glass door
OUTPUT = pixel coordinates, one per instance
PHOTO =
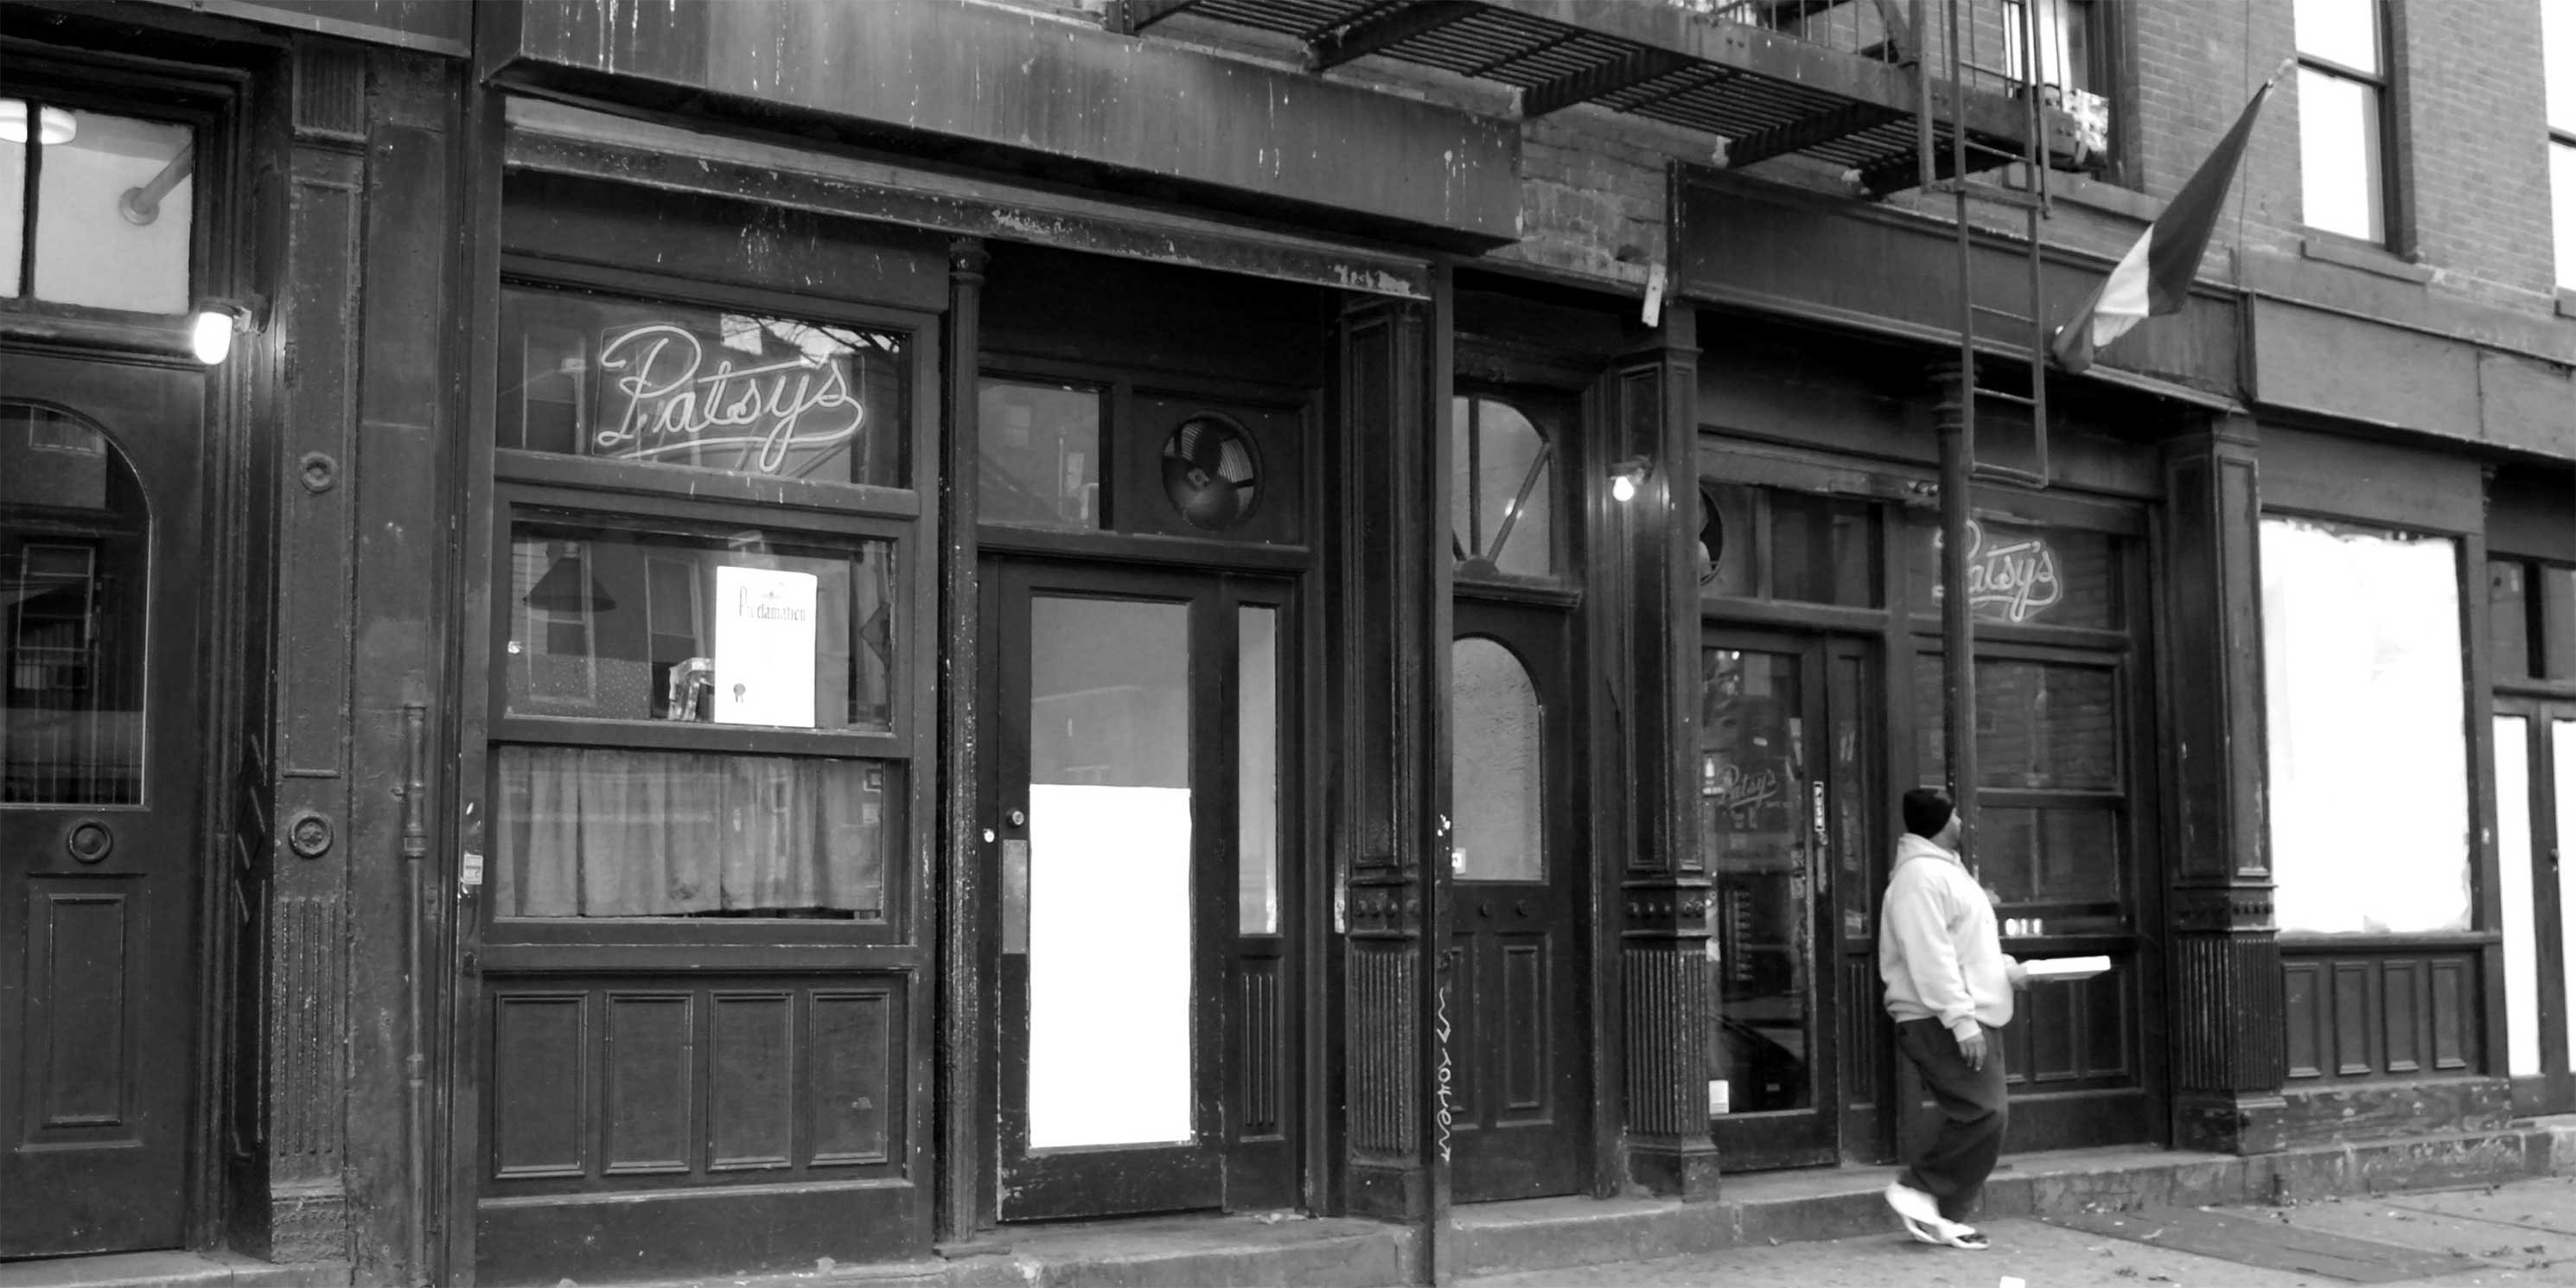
(2535, 777)
(1141, 962)
(1767, 786)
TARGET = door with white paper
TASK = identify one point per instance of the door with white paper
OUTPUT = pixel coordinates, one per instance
(1140, 963)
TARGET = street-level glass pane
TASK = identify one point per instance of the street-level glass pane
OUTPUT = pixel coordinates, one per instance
(1256, 769)
(14, 146)
(2514, 858)
(1040, 454)
(114, 206)
(75, 575)
(1502, 480)
(1497, 765)
(2346, 31)
(670, 384)
(2363, 682)
(614, 623)
(1109, 873)
(2024, 576)
(2509, 618)
(2562, 207)
(610, 832)
(1824, 550)
(2340, 173)
(2040, 726)
(1755, 835)
(2562, 755)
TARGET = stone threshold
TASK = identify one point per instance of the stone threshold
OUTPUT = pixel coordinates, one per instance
(171, 1270)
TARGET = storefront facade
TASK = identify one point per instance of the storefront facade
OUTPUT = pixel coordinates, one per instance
(787, 658)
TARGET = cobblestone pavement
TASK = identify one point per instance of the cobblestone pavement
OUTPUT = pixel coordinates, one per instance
(2524, 1233)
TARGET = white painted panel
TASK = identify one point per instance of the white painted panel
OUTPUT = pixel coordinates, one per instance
(2521, 918)
(2562, 738)
(1109, 965)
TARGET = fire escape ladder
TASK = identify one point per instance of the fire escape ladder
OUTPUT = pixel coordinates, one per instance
(2009, 327)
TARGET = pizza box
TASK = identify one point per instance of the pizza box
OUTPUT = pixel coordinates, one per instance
(2066, 968)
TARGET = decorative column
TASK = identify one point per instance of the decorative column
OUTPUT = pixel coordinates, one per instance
(1384, 613)
(2225, 989)
(1665, 982)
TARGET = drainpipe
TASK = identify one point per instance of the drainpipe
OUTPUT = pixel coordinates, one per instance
(415, 849)
(1958, 626)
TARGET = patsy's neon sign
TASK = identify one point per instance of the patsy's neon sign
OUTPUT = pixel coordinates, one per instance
(2009, 579)
(671, 402)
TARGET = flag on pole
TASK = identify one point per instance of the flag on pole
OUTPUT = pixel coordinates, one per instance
(2155, 276)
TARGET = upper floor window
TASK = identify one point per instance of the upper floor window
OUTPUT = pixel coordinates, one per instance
(2558, 28)
(2343, 116)
(2066, 38)
(94, 209)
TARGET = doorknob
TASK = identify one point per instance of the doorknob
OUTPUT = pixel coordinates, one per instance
(1019, 818)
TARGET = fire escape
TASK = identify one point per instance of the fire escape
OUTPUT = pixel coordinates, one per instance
(1896, 95)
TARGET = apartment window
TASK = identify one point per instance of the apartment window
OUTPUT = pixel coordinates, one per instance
(2066, 38)
(2343, 116)
(2558, 37)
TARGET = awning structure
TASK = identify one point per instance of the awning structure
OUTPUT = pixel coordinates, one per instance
(1833, 81)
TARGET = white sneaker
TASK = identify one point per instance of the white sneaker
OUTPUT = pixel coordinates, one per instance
(1917, 1207)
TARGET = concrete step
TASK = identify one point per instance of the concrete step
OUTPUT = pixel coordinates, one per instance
(1844, 1202)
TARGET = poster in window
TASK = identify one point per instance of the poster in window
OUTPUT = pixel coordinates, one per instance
(765, 646)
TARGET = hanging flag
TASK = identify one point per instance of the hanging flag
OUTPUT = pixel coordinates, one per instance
(2155, 276)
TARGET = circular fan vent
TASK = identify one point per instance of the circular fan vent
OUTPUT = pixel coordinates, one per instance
(1211, 472)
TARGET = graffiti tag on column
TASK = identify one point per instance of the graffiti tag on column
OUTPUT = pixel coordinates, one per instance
(2010, 580)
(1442, 1117)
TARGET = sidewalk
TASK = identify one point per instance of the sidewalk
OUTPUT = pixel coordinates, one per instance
(2523, 1232)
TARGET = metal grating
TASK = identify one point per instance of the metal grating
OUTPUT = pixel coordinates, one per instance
(1556, 63)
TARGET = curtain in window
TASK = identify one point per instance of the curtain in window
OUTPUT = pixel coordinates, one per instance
(593, 832)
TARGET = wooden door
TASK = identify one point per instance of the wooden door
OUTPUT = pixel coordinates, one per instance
(100, 562)
(1141, 966)
(1767, 787)
(2535, 750)
(1516, 880)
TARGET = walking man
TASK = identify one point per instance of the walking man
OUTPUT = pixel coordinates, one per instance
(1950, 988)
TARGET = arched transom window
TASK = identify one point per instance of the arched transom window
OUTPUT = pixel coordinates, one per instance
(1502, 479)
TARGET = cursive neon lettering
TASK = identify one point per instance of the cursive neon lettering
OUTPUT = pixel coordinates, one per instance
(671, 403)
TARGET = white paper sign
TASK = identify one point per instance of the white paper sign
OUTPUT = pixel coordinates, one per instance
(765, 646)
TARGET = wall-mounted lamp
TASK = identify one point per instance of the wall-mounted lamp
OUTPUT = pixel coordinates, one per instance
(210, 333)
(53, 124)
(1627, 476)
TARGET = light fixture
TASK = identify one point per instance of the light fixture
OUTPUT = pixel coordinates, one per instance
(53, 124)
(1627, 476)
(210, 334)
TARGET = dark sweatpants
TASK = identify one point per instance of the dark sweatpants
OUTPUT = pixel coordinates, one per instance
(1954, 1169)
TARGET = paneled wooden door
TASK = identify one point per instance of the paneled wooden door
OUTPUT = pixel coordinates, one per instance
(100, 562)
(1520, 1068)
(2535, 749)
(1142, 792)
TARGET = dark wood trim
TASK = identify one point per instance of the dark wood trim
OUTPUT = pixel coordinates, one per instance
(1161, 552)
(1428, 497)
(827, 527)
(548, 469)
(474, 494)
(2309, 943)
(959, 948)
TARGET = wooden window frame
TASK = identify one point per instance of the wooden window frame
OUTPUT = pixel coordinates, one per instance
(619, 494)
(2384, 89)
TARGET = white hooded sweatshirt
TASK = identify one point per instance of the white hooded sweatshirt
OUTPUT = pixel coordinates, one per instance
(1937, 946)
